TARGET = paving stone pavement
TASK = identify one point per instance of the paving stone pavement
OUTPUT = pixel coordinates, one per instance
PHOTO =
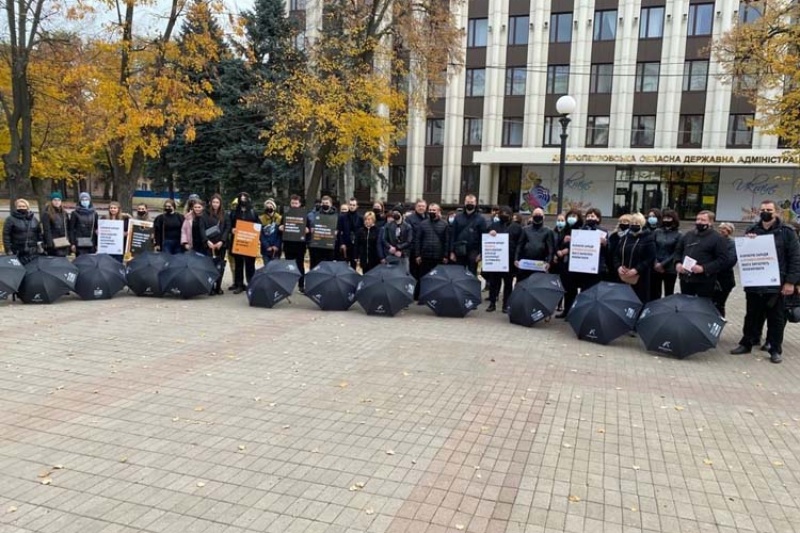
(161, 415)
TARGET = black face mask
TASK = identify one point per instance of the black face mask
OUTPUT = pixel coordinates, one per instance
(23, 212)
(765, 216)
(270, 210)
(469, 208)
(505, 219)
(701, 227)
(591, 223)
(635, 228)
(397, 217)
(538, 219)
(624, 227)
(169, 209)
(326, 208)
(142, 213)
(433, 216)
(377, 211)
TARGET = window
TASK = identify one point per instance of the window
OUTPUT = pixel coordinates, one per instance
(433, 180)
(512, 131)
(518, 30)
(701, 19)
(552, 131)
(436, 89)
(740, 131)
(647, 77)
(473, 131)
(470, 180)
(643, 131)
(690, 131)
(297, 5)
(515, 81)
(651, 23)
(557, 79)
(434, 132)
(476, 81)
(476, 32)
(748, 12)
(560, 27)
(299, 41)
(605, 25)
(597, 131)
(745, 83)
(695, 75)
(601, 79)
(397, 179)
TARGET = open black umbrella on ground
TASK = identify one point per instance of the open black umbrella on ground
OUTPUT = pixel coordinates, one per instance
(142, 273)
(47, 279)
(332, 285)
(100, 276)
(188, 275)
(604, 312)
(385, 290)
(450, 290)
(680, 325)
(535, 298)
(273, 283)
(11, 274)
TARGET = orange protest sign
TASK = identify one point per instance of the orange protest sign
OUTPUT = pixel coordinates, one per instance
(245, 239)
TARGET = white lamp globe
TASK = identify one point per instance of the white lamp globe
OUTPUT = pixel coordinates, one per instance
(566, 105)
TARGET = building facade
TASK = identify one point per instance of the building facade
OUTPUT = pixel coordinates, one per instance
(655, 124)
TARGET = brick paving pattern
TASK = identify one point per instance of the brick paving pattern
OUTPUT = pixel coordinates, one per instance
(146, 415)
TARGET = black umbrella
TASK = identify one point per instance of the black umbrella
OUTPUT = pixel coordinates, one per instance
(100, 276)
(47, 279)
(11, 274)
(332, 285)
(273, 283)
(142, 273)
(535, 298)
(450, 290)
(680, 325)
(604, 312)
(385, 290)
(188, 275)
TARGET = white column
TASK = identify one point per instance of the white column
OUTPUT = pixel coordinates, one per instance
(673, 54)
(536, 83)
(625, 52)
(581, 62)
(718, 96)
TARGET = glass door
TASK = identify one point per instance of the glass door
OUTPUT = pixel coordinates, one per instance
(685, 198)
(644, 195)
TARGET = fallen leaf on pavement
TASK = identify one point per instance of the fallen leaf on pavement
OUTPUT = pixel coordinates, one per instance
(389, 452)
(199, 408)
(777, 463)
(708, 462)
(574, 499)
(370, 511)
(46, 481)
(11, 509)
(201, 484)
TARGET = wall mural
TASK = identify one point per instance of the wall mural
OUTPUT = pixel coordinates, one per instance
(584, 187)
(742, 190)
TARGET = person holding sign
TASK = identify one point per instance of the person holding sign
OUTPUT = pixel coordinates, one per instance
(322, 232)
(244, 265)
(700, 255)
(634, 257)
(114, 213)
(294, 231)
(574, 220)
(766, 303)
(83, 226)
(503, 224)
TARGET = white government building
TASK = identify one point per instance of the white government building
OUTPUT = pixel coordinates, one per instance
(653, 125)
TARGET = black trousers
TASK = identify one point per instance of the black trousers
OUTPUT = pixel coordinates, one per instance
(318, 255)
(662, 284)
(296, 251)
(701, 289)
(720, 298)
(469, 261)
(243, 266)
(416, 271)
(764, 307)
(496, 280)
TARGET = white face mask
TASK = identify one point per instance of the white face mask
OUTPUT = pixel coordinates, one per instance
(451, 219)
(85, 203)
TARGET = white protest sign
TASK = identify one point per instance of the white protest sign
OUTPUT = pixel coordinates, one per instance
(758, 261)
(584, 251)
(494, 253)
(111, 237)
(533, 265)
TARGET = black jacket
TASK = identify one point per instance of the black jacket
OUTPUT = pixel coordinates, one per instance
(167, 227)
(788, 250)
(666, 240)
(537, 243)
(400, 237)
(248, 215)
(726, 278)
(347, 228)
(54, 225)
(367, 243)
(636, 252)
(430, 240)
(710, 251)
(21, 234)
(466, 234)
(199, 240)
(82, 225)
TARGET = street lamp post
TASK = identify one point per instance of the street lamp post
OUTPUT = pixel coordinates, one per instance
(565, 106)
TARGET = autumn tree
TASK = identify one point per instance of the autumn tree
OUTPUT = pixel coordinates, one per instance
(348, 102)
(761, 58)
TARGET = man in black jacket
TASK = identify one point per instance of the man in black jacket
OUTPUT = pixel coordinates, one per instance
(709, 251)
(349, 224)
(416, 218)
(765, 304)
(537, 243)
(465, 244)
(430, 242)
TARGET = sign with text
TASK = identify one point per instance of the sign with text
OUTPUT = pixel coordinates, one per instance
(758, 261)
(584, 251)
(294, 225)
(324, 232)
(246, 238)
(140, 236)
(111, 237)
(494, 252)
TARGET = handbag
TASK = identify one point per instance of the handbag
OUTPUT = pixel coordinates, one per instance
(86, 242)
(630, 279)
(213, 232)
(60, 242)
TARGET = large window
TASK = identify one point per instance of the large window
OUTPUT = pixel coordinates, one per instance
(470, 180)
(597, 130)
(512, 131)
(473, 131)
(552, 131)
(433, 180)
(643, 131)
(557, 79)
(434, 132)
(476, 81)
(701, 19)
(740, 131)
(477, 30)
(651, 23)
(605, 25)
(518, 30)
(397, 179)
(690, 131)
(560, 27)
(602, 76)
(695, 75)
(647, 77)
(748, 12)
(297, 5)
(515, 81)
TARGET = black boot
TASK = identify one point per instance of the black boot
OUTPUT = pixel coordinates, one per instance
(492, 307)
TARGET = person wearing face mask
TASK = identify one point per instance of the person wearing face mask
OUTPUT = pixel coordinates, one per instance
(141, 213)
(244, 265)
(420, 214)
(318, 255)
(349, 224)
(663, 277)
(296, 250)
(634, 257)
(709, 251)
(466, 241)
(55, 227)
(653, 219)
(430, 242)
(536, 243)
(766, 304)
(623, 226)
(592, 220)
(22, 233)
(397, 240)
(379, 210)
(569, 280)
(167, 229)
(726, 279)
(83, 226)
(270, 237)
(367, 242)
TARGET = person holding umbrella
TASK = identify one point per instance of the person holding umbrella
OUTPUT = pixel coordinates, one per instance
(55, 227)
(707, 254)
(167, 229)
(21, 232)
(83, 226)
(243, 265)
(766, 304)
(504, 224)
(397, 239)
(663, 277)
(430, 243)
(634, 257)
(726, 280)
(465, 244)
(367, 242)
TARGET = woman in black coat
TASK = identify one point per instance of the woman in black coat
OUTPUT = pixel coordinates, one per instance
(21, 232)
(569, 280)
(367, 242)
(666, 237)
(55, 227)
(83, 226)
(634, 257)
(726, 280)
